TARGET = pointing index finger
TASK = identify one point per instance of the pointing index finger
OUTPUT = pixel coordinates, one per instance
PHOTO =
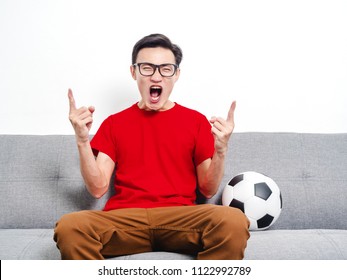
(230, 117)
(71, 100)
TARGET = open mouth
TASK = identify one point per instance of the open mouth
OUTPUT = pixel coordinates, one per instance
(155, 92)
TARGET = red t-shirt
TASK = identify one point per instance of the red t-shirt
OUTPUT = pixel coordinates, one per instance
(156, 154)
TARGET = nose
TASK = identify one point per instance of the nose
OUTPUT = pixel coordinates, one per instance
(156, 77)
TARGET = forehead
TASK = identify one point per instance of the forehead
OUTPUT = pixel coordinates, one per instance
(155, 55)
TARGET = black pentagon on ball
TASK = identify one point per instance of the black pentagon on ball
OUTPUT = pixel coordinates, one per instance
(265, 221)
(237, 204)
(237, 179)
(262, 190)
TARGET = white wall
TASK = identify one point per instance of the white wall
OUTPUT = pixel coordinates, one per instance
(285, 62)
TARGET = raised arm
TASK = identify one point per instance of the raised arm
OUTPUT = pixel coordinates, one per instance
(210, 172)
(95, 172)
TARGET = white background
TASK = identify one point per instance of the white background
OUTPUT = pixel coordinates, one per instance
(285, 62)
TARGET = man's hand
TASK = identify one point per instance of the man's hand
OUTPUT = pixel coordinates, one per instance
(210, 172)
(222, 130)
(81, 119)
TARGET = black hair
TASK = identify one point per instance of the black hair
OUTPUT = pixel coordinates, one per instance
(154, 41)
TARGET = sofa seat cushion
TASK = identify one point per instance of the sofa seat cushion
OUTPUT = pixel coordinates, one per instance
(309, 244)
(38, 244)
(26, 244)
(156, 256)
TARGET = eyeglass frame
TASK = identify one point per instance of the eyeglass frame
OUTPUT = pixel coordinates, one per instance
(155, 67)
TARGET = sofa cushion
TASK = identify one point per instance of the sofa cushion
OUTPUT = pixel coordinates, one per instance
(40, 180)
(310, 244)
(156, 256)
(310, 170)
(26, 244)
(38, 244)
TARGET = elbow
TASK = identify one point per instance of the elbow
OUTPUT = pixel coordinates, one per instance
(97, 195)
(208, 196)
(207, 193)
(97, 191)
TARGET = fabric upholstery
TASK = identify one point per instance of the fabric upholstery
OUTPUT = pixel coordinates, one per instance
(40, 181)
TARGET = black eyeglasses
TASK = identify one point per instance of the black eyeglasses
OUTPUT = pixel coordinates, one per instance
(148, 69)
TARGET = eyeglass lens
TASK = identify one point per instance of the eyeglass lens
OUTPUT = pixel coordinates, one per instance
(166, 70)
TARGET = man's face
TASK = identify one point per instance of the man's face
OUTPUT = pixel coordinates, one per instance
(155, 90)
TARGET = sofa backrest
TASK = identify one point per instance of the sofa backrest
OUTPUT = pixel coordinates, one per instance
(40, 177)
(40, 180)
(310, 170)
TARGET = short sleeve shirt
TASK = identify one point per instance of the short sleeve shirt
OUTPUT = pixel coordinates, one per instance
(155, 154)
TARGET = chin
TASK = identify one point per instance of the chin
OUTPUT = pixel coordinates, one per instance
(156, 107)
(148, 106)
(159, 106)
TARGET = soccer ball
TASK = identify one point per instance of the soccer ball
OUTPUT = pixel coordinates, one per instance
(256, 195)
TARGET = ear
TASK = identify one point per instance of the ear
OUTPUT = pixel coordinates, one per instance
(177, 74)
(133, 72)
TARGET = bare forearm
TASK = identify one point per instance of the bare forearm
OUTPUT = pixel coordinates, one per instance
(81, 120)
(95, 180)
(212, 171)
(213, 176)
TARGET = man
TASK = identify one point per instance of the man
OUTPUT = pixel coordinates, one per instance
(160, 151)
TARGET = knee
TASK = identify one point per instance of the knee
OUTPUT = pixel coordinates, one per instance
(67, 225)
(66, 221)
(230, 220)
(227, 234)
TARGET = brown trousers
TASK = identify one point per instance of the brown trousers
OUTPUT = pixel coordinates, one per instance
(208, 231)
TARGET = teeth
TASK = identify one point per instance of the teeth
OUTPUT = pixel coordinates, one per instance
(155, 91)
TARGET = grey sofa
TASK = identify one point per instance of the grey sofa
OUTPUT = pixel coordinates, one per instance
(40, 181)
